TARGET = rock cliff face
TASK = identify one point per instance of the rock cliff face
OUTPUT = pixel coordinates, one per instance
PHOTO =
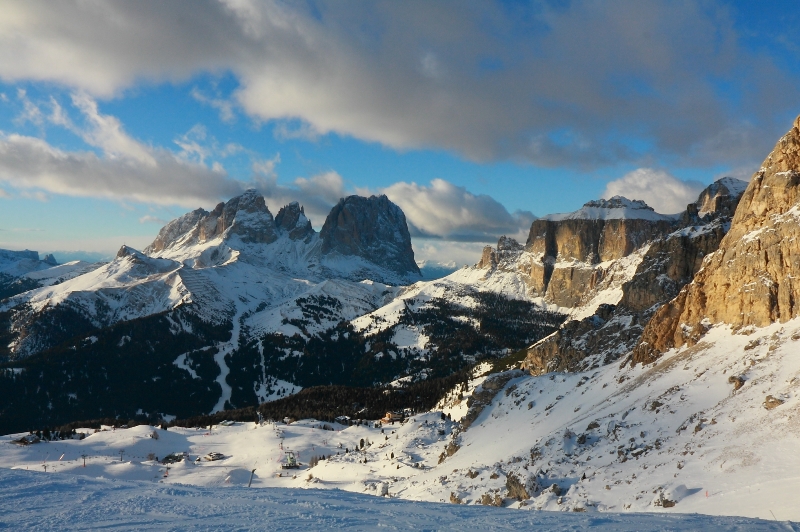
(752, 278)
(563, 257)
(721, 197)
(374, 229)
(507, 251)
(668, 265)
(246, 217)
(292, 220)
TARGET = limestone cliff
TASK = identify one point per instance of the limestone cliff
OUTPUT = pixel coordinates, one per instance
(246, 217)
(567, 256)
(373, 229)
(752, 279)
(668, 264)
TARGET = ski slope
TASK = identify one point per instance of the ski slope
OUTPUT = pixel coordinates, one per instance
(616, 439)
(67, 502)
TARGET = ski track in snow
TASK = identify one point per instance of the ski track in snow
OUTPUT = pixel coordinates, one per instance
(224, 349)
(63, 502)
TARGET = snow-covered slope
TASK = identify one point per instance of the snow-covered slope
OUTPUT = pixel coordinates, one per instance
(62, 502)
(18, 263)
(615, 208)
(616, 439)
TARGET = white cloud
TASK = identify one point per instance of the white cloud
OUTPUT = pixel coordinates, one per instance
(450, 211)
(224, 106)
(30, 163)
(447, 252)
(106, 132)
(126, 169)
(317, 193)
(555, 85)
(148, 218)
(662, 191)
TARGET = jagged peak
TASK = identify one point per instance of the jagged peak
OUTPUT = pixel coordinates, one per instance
(614, 208)
(292, 219)
(127, 251)
(720, 197)
(506, 243)
(374, 229)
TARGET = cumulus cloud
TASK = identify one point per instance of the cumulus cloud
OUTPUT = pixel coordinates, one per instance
(124, 168)
(436, 252)
(31, 163)
(450, 211)
(317, 194)
(662, 191)
(148, 218)
(552, 83)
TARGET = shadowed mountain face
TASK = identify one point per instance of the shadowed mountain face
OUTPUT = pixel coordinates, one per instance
(372, 228)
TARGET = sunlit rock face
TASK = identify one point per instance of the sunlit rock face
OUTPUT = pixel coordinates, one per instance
(753, 278)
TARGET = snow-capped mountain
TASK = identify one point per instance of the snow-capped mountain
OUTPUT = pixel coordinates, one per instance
(615, 208)
(362, 238)
(237, 307)
(234, 306)
(699, 417)
(19, 263)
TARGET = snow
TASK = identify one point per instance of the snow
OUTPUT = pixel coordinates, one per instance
(735, 186)
(675, 430)
(616, 208)
(64, 502)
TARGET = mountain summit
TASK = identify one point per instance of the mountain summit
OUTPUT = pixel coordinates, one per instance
(374, 229)
(362, 238)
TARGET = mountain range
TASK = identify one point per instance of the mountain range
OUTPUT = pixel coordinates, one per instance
(660, 341)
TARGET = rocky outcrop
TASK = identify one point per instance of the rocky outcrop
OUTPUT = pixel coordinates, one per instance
(570, 247)
(374, 229)
(752, 279)
(175, 230)
(245, 217)
(507, 252)
(669, 264)
(291, 219)
(721, 197)
(581, 345)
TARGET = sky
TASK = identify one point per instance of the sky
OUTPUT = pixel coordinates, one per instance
(474, 117)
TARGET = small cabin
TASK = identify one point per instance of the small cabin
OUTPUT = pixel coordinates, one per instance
(391, 417)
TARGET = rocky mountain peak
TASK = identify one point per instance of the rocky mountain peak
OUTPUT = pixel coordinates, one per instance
(292, 220)
(751, 280)
(374, 229)
(177, 229)
(615, 208)
(508, 249)
(720, 197)
(246, 217)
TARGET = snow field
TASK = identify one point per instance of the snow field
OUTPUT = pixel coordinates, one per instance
(616, 439)
(67, 502)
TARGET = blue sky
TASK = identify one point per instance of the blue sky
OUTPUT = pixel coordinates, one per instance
(473, 116)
